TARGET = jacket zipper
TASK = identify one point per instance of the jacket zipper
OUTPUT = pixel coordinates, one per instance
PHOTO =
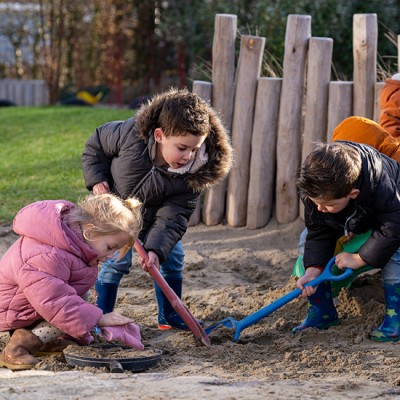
(148, 174)
(346, 232)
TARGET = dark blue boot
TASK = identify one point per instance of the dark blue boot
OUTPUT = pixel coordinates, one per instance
(389, 330)
(167, 316)
(106, 295)
(321, 312)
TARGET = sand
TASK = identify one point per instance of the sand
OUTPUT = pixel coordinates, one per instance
(233, 272)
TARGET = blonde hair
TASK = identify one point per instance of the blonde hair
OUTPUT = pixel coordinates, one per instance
(109, 215)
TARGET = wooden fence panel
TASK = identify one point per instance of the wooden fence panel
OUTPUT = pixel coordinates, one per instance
(263, 153)
(298, 33)
(377, 101)
(317, 92)
(340, 104)
(248, 72)
(24, 92)
(365, 43)
(319, 62)
(203, 90)
(223, 77)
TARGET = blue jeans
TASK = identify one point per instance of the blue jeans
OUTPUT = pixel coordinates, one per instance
(390, 273)
(112, 270)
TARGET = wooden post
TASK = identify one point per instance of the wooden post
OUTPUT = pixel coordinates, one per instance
(365, 43)
(263, 153)
(317, 92)
(248, 72)
(340, 105)
(203, 90)
(298, 33)
(223, 81)
(398, 53)
(377, 103)
(319, 62)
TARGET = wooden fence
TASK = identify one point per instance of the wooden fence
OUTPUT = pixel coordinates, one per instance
(275, 121)
(24, 92)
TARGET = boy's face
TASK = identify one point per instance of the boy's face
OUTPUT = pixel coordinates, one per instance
(334, 206)
(176, 151)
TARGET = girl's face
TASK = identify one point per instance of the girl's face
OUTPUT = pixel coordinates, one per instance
(106, 245)
(176, 151)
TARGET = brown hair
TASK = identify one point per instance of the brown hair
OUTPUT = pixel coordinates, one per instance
(178, 112)
(109, 215)
(330, 171)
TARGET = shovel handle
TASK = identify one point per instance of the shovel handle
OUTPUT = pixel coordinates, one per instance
(326, 275)
(175, 301)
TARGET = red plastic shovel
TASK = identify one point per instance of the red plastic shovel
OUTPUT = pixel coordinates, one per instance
(175, 301)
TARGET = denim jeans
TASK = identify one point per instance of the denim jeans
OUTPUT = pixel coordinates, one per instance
(390, 273)
(112, 270)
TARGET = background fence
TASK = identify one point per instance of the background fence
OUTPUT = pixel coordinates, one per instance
(275, 121)
(24, 92)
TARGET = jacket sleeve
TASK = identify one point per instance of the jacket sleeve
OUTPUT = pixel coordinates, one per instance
(385, 237)
(170, 223)
(100, 149)
(321, 239)
(54, 299)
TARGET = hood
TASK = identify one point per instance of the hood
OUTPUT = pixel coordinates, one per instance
(218, 144)
(42, 221)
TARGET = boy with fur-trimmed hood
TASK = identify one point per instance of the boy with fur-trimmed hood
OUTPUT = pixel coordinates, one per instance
(173, 150)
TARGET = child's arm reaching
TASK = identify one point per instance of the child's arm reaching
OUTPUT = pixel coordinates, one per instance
(349, 260)
(113, 319)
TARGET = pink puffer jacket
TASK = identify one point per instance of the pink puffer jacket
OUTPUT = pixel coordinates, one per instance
(46, 271)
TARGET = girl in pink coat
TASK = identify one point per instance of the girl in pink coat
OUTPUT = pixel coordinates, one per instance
(46, 273)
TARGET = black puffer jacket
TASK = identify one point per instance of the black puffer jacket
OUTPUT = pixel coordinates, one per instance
(120, 153)
(377, 207)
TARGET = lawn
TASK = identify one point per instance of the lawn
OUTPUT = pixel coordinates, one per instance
(40, 152)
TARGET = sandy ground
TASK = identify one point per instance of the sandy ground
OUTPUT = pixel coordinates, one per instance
(235, 272)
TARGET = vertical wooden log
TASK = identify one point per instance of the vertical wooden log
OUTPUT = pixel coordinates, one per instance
(263, 153)
(248, 72)
(340, 105)
(398, 53)
(223, 81)
(365, 43)
(203, 90)
(319, 62)
(377, 102)
(317, 92)
(298, 33)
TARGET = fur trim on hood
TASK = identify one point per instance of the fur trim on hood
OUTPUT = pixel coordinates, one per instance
(218, 144)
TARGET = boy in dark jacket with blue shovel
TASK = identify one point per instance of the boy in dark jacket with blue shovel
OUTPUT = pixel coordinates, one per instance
(350, 188)
(173, 150)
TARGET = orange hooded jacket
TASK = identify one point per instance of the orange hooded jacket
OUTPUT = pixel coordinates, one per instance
(385, 137)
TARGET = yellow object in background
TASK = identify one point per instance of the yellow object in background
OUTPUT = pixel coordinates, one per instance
(89, 98)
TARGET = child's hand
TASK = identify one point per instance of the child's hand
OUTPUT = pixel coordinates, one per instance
(152, 260)
(101, 188)
(113, 319)
(311, 273)
(128, 334)
(349, 260)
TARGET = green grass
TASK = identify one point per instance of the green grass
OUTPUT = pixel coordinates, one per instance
(40, 153)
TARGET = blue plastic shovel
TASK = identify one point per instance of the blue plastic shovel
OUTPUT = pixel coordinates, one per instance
(251, 319)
